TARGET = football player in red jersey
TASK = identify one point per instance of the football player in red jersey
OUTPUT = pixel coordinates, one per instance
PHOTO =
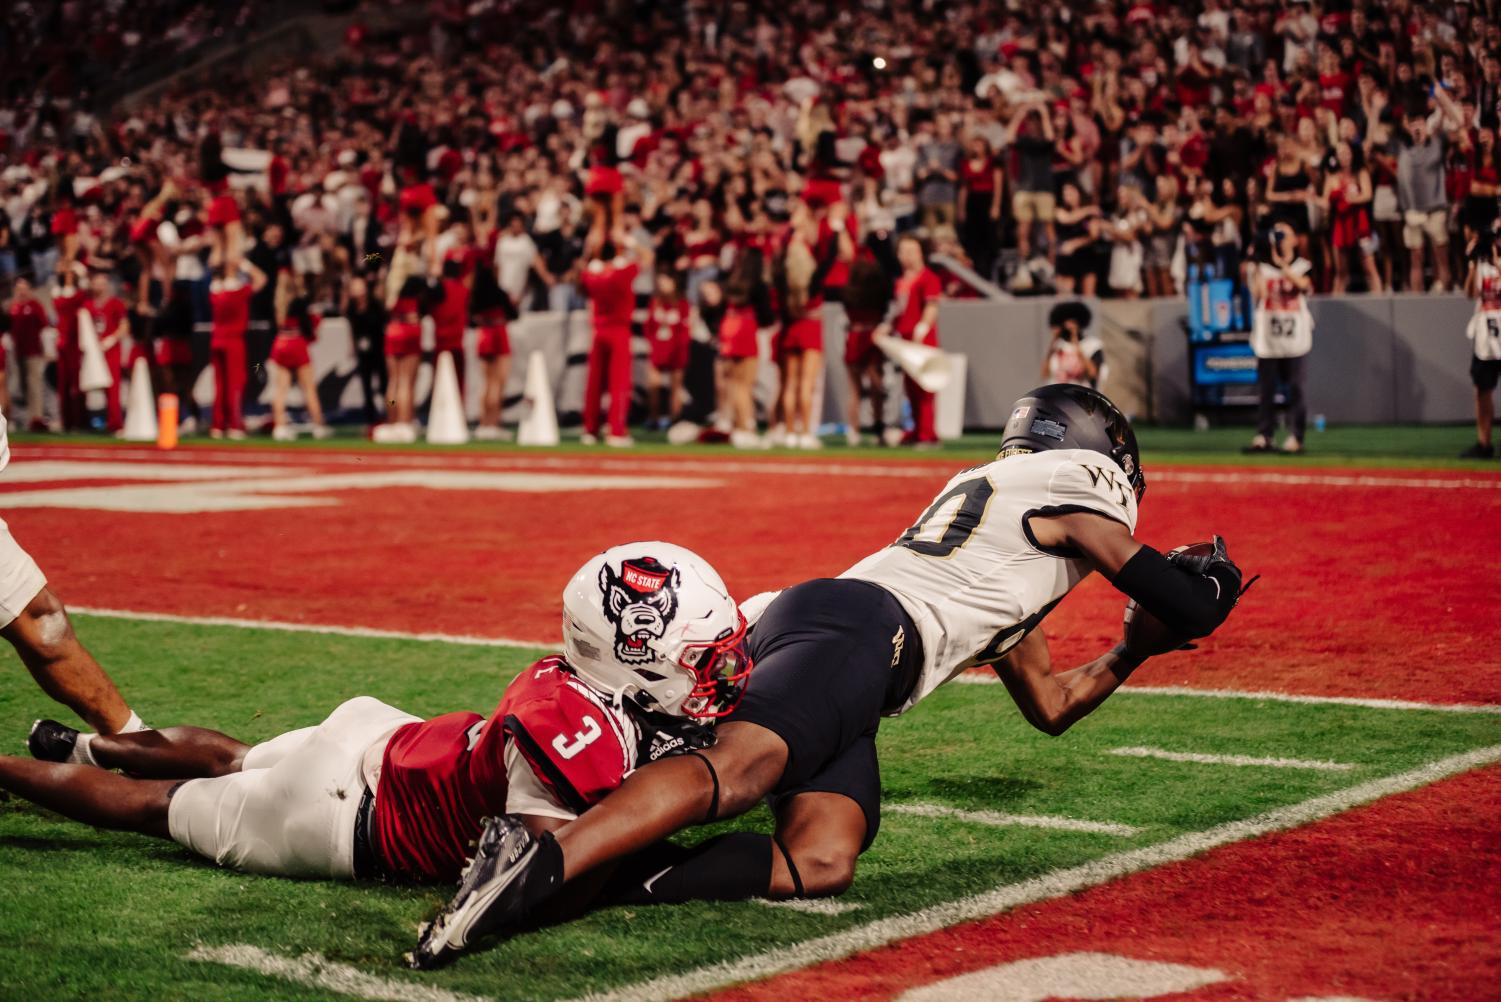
(651, 638)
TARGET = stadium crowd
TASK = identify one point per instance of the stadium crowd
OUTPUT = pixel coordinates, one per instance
(716, 172)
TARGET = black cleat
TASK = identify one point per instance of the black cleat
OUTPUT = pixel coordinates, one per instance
(1478, 451)
(511, 873)
(50, 741)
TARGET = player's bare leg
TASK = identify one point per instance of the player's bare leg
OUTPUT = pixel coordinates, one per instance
(93, 796)
(43, 636)
(170, 753)
(823, 833)
(673, 794)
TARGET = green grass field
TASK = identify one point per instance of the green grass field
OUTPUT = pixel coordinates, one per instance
(99, 915)
(1431, 446)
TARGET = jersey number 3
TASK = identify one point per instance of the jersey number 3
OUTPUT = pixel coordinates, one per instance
(963, 506)
(582, 739)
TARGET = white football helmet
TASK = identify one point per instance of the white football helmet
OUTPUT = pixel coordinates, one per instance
(653, 622)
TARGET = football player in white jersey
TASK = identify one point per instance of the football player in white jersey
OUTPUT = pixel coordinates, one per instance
(964, 587)
(33, 619)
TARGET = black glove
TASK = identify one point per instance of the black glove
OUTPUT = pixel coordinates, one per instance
(664, 734)
(1215, 564)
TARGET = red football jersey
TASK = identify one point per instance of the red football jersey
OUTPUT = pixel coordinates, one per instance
(440, 777)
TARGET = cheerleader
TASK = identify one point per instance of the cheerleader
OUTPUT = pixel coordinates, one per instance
(917, 293)
(867, 297)
(406, 292)
(608, 282)
(296, 327)
(747, 310)
(667, 329)
(493, 309)
(1483, 283)
(1281, 336)
(805, 266)
(229, 295)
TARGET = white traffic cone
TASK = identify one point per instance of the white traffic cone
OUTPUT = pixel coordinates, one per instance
(445, 417)
(140, 409)
(93, 371)
(540, 425)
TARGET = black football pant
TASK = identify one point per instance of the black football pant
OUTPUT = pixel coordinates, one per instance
(1288, 372)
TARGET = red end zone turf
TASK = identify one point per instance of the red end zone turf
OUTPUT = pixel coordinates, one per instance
(1395, 900)
(1373, 585)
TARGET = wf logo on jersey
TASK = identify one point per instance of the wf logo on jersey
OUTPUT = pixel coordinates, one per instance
(641, 600)
(1111, 481)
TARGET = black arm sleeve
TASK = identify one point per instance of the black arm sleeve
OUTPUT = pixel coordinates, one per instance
(1190, 604)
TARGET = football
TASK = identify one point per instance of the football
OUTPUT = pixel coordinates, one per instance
(1145, 634)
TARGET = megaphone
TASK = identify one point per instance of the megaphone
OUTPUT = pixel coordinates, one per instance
(927, 366)
(93, 371)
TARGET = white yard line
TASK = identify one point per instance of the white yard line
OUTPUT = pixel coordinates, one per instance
(967, 678)
(979, 677)
(314, 971)
(997, 819)
(1051, 885)
(812, 906)
(366, 632)
(1238, 760)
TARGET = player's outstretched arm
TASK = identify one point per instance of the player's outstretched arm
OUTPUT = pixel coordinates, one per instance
(1191, 596)
(1053, 703)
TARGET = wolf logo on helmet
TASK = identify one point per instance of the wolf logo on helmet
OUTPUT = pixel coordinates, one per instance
(641, 600)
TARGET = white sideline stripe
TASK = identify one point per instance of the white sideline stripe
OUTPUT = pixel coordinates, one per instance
(812, 906)
(894, 468)
(998, 819)
(315, 971)
(1051, 885)
(1201, 759)
(922, 469)
(366, 632)
(989, 678)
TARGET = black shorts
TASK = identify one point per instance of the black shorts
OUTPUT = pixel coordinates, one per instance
(1485, 373)
(827, 663)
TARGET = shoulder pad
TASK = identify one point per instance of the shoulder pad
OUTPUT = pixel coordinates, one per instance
(575, 743)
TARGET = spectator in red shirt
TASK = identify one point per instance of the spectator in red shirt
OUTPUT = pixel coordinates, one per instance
(917, 293)
(28, 317)
(980, 186)
(111, 325)
(607, 280)
(229, 296)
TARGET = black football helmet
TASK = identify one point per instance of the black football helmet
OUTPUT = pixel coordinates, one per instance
(1068, 416)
